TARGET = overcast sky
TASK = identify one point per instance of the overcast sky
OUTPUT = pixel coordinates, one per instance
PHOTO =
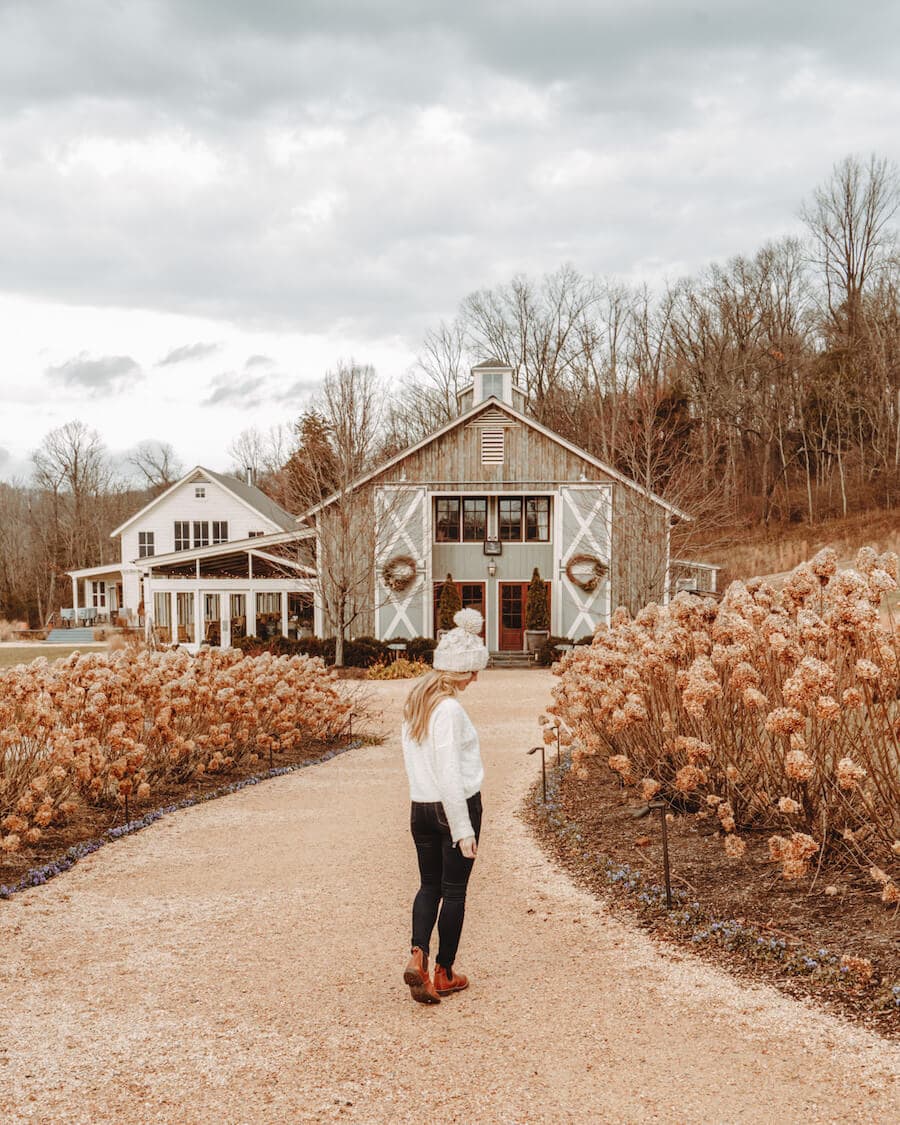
(204, 204)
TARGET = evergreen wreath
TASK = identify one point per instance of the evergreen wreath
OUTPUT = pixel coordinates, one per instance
(586, 572)
(399, 573)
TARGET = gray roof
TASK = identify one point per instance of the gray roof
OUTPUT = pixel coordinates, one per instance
(257, 499)
(490, 363)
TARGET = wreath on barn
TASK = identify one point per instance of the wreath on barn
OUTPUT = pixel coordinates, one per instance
(399, 573)
(586, 572)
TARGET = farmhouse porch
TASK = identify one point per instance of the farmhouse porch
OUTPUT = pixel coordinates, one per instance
(218, 595)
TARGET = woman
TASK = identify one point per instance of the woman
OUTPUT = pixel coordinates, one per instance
(443, 764)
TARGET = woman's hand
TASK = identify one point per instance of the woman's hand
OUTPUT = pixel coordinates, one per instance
(468, 847)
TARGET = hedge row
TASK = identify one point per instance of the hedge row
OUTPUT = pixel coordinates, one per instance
(361, 652)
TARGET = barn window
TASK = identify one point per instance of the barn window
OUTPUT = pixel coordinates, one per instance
(492, 447)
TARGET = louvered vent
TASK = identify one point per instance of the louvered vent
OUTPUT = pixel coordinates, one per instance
(492, 447)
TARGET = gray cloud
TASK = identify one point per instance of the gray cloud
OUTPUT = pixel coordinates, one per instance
(233, 389)
(188, 352)
(108, 374)
(297, 391)
(354, 169)
(264, 361)
(5, 455)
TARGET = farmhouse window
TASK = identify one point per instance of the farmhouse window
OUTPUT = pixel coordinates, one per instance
(446, 519)
(200, 492)
(533, 528)
(474, 519)
(182, 535)
(537, 519)
(492, 447)
(220, 531)
(98, 594)
(510, 524)
(460, 519)
(201, 533)
(146, 545)
(255, 534)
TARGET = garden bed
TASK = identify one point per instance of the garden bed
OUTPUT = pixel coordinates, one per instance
(795, 935)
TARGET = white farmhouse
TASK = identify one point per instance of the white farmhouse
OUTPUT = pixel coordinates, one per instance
(189, 550)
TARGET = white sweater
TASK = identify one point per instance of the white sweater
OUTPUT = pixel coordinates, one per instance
(446, 766)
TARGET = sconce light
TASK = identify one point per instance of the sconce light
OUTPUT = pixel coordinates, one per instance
(492, 568)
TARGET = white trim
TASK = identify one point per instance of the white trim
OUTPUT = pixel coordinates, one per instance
(211, 479)
(461, 420)
(113, 568)
(232, 547)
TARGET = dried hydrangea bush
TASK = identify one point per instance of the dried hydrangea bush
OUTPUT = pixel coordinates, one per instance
(774, 710)
(98, 729)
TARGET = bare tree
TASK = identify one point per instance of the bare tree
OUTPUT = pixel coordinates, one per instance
(848, 219)
(157, 463)
(349, 409)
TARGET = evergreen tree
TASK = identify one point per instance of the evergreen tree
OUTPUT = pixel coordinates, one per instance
(449, 604)
(537, 615)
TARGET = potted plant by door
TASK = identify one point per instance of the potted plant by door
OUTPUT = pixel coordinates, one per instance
(537, 614)
(449, 604)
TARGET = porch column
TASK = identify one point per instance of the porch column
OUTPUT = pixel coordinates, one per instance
(145, 593)
(251, 598)
(198, 617)
(284, 613)
(75, 597)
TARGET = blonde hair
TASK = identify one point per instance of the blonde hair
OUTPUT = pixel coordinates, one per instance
(426, 695)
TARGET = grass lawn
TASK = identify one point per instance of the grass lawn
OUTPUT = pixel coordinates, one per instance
(26, 653)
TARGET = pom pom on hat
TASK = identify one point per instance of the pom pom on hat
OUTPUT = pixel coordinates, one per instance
(462, 649)
(470, 620)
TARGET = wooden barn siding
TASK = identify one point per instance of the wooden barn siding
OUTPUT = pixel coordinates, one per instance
(531, 461)
(639, 550)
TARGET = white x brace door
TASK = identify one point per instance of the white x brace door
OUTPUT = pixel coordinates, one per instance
(585, 528)
(402, 530)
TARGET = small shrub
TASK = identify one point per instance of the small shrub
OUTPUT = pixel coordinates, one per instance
(547, 654)
(400, 669)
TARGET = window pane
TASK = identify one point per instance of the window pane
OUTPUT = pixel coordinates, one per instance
(537, 518)
(474, 519)
(182, 535)
(201, 533)
(510, 517)
(492, 384)
(220, 531)
(447, 519)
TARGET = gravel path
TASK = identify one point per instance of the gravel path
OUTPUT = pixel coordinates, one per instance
(241, 962)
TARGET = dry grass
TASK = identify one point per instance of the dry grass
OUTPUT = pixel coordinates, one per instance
(24, 654)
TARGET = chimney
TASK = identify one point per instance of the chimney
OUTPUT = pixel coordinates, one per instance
(248, 471)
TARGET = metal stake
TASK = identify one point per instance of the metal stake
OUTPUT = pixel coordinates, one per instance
(534, 750)
(661, 805)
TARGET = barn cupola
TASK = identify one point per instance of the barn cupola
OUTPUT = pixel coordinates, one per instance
(491, 379)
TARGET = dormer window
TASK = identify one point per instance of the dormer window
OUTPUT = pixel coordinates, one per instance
(199, 491)
(492, 384)
(488, 381)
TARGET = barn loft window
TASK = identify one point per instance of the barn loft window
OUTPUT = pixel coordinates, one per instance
(492, 447)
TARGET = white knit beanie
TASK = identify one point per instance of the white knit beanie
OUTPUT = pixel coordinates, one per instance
(462, 649)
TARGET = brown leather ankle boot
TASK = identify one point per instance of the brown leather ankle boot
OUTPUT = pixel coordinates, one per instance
(416, 976)
(446, 981)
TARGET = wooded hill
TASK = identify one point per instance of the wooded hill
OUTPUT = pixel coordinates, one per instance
(760, 393)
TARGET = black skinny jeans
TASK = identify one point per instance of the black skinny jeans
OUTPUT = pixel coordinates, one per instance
(444, 872)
